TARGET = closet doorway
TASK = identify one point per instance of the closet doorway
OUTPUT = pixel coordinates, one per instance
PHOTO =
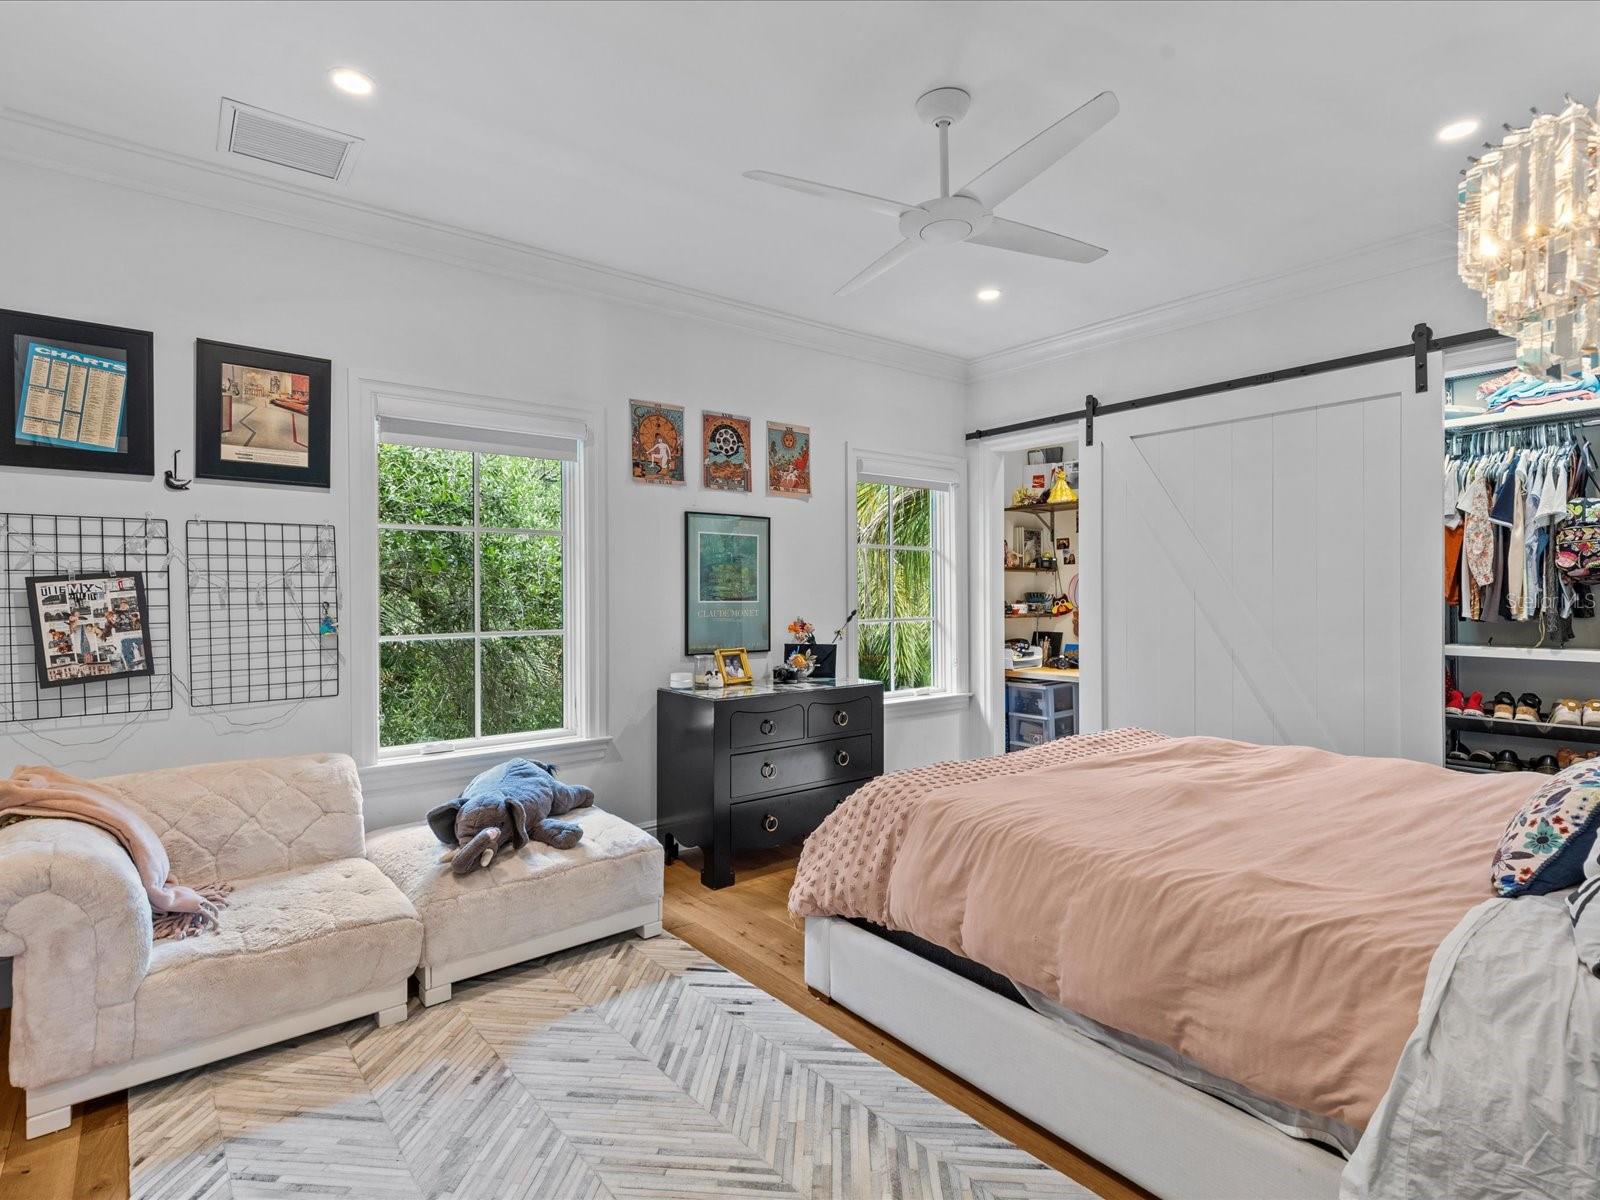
(1268, 562)
(1021, 552)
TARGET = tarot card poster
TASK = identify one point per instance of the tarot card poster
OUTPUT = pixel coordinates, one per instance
(788, 460)
(728, 578)
(88, 627)
(265, 416)
(657, 441)
(726, 457)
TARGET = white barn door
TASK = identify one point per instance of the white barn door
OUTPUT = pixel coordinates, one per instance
(1270, 565)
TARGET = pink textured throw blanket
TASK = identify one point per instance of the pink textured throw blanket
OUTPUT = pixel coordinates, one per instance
(46, 792)
(1269, 912)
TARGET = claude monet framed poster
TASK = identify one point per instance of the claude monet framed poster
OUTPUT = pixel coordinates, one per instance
(75, 396)
(88, 627)
(727, 582)
(261, 415)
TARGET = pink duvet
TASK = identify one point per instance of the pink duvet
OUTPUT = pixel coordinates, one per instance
(1267, 911)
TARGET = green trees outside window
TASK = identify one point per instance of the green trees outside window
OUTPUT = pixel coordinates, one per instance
(894, 585)
(471, 595)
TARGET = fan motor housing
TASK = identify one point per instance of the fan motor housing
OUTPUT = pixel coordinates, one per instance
(944, 221)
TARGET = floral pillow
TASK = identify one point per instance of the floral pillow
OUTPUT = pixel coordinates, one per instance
(1544, 846)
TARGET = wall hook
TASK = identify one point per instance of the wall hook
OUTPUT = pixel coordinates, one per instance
(171, 478)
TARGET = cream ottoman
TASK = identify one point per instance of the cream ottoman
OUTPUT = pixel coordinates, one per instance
(535, 902)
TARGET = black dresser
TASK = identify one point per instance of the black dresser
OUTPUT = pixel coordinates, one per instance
(750, 767)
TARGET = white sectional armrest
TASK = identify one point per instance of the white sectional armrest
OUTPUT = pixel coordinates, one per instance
(76, 921)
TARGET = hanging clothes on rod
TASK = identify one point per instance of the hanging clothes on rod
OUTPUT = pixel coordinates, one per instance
(1506, 491)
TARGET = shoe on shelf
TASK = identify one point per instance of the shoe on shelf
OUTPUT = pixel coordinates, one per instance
(1591, 712)
(1453, 703)
(1566, 712)
(1507, 760)
(1528, 708)
(1472, 706)
(1482, 758)
(1565, 758)
(1546, 764)
(1505, 707)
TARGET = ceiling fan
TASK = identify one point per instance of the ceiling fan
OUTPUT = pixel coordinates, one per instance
(968, 216)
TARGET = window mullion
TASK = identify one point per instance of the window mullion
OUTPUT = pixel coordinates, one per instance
(477, 607)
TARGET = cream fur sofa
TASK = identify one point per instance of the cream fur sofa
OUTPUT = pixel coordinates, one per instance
(314, 933)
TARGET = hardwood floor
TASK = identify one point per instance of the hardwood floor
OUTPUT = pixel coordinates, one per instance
(746, 928)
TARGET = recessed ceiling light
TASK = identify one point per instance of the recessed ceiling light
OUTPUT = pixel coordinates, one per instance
(1457, 130)
(351, 81)
(989, 295)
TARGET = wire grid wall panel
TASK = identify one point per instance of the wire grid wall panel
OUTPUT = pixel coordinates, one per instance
(258, 597)
(48, 544)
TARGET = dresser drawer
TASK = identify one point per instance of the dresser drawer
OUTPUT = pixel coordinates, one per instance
(759, 824)
(766, 728)
(824, 719)
(804, 766)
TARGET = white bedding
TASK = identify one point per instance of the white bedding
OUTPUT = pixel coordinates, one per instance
(1497, 1094)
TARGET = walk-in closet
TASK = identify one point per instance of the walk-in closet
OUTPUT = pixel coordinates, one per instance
(1040, 605)
(1521, 508)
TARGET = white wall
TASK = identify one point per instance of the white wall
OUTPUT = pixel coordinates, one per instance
(88, 250)
(1330, 324)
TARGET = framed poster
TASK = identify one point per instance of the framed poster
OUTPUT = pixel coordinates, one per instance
(788, 460)
(727, 599)
(726, 452)
(88, 627)
(77, 396)
(656, 441)
(261, 415)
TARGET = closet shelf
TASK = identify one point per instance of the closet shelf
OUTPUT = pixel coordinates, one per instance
(1060, 506)
(1527, 729)
(1469, 768)
(1533, 653)
(1035, 570)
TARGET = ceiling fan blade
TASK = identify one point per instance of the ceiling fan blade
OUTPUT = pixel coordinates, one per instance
(891, 208)
(1027, 161)
(887, 262)
(1025, 239)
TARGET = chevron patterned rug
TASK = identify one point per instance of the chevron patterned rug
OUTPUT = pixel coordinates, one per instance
(624, 1069)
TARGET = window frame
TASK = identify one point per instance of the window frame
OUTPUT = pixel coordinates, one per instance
(478, 634)
(584, 593)
(945, 477)
(937, 501)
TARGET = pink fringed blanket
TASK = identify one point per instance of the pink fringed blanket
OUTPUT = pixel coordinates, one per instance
(45, 792)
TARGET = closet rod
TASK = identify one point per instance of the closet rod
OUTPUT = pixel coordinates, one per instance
(1409, 350)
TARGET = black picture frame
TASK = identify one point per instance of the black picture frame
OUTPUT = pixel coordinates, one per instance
(136, 451)
(753, 631)
(210, 359)
(42, 655)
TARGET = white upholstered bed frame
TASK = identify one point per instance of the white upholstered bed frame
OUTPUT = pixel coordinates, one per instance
(1166, 1136)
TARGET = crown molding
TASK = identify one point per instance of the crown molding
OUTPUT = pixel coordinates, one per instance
(1394, 256)
(56, 146)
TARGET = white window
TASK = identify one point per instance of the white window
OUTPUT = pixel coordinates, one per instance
(903, 578)
(482, 590)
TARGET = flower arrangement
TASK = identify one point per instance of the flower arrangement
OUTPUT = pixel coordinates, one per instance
(801, 630)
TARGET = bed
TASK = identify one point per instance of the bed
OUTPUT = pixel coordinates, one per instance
(1223, 948)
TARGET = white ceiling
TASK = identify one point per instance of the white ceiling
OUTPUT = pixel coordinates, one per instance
(1254, 139)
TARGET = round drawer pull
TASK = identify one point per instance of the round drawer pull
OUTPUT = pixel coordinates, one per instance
(842, 758)
(769, 823)
(767, 726)
(841, 718)
(768, 770)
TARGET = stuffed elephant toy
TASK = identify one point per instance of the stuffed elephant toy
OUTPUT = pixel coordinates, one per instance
(505, 808)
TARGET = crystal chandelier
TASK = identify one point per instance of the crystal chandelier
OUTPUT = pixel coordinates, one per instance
(1528, 238)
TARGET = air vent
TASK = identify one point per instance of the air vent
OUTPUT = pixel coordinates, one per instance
(273, 138)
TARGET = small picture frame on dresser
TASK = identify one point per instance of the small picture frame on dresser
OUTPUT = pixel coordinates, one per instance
(734, 667)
